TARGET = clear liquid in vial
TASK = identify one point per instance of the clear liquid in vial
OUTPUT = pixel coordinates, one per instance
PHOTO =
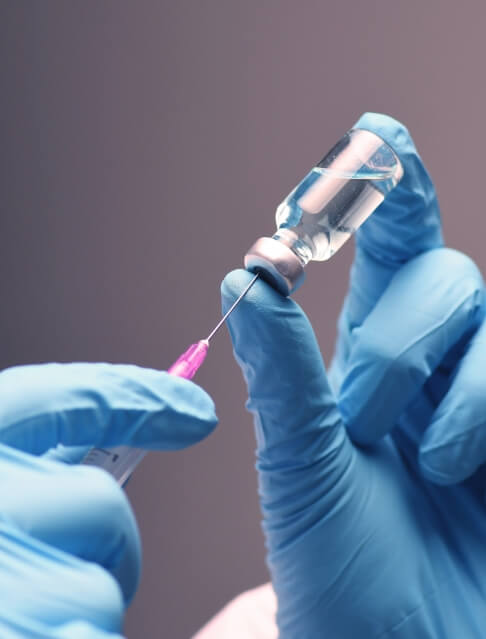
(328, 206)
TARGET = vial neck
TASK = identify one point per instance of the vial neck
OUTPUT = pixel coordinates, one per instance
(290, 239)
(276, 263)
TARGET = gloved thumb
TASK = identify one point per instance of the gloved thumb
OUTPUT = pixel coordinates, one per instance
(82, 404)
(302, 447)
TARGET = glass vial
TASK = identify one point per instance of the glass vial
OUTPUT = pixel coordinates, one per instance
(326, 208)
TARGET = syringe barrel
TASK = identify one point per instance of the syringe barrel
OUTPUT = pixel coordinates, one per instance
(121, 461)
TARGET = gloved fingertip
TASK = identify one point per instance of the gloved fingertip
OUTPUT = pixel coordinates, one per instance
(197, 430)
(234, 282)
(408, 221)
(385, 126)
(174, 412)
(432, 471)
(193, 411)
(392, 131)
(260, 293)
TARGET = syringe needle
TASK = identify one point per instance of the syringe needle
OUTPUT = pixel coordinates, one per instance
(232, 308)
(187, 364)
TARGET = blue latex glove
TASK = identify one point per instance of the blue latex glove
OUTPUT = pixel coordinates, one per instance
(69, 545)
(360, 542)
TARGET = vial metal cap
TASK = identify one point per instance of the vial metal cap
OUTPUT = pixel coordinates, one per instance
(276, 263)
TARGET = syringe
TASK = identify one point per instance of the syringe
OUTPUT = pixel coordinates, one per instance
(121, 461)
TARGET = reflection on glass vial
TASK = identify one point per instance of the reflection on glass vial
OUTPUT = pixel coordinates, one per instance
(326, 208)
(337, 196)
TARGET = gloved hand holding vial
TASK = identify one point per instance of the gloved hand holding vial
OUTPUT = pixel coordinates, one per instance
(371, 477)
(371, 480)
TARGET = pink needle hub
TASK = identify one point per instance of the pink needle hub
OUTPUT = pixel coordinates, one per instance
(188, 363)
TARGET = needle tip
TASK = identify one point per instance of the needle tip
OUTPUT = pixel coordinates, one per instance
(233, 306)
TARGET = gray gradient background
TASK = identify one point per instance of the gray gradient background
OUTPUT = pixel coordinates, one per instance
(144, 146)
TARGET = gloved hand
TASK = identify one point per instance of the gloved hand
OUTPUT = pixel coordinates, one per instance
(69, 545)
(364, 539)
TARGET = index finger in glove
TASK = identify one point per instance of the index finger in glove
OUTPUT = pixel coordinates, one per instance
(100, 405)
(302, 447)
